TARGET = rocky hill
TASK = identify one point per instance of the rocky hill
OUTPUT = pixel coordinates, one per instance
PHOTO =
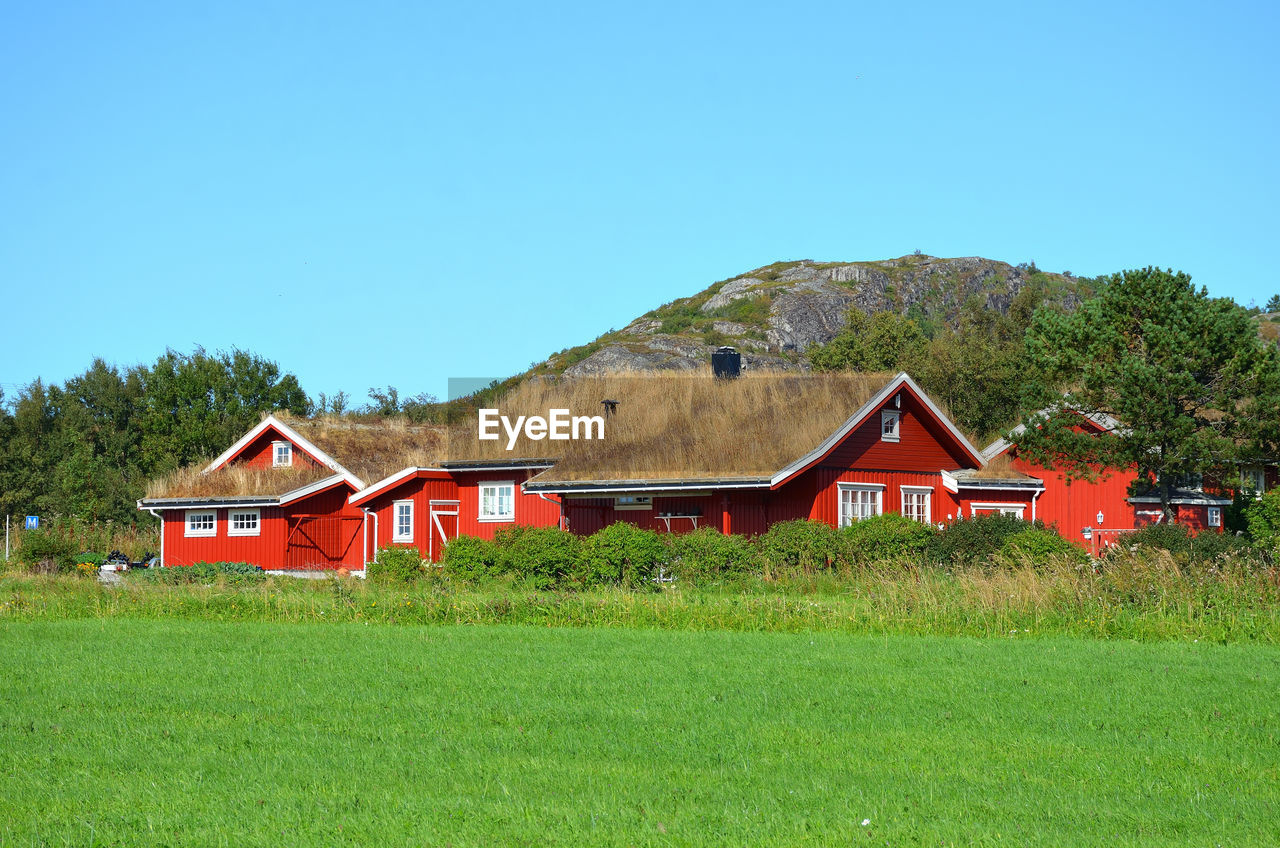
(773, 314)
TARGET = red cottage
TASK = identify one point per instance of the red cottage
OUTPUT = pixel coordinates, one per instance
(279, 497)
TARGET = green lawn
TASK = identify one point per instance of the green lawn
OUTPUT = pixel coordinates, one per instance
(118, 731)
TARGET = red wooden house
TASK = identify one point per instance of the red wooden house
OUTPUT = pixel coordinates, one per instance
(279, 497)
(683, 451)
(674, 452)
(1094, 513)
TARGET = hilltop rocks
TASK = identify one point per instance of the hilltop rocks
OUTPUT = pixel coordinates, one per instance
(812, 313)
(731, 291)
(808, 304)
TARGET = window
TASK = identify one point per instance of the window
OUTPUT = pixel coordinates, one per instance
(1215, 516)
(916, 503)
(889, 425)
(203, 523)
(243, 522)
(633, 502)
(859, 501)
(402, 527)
(1002, 508)
(497, 501)
(1253, 480)
(281, 454)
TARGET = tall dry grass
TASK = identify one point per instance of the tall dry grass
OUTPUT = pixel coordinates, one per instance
(678, 424)
(373, 450)
(235, 480)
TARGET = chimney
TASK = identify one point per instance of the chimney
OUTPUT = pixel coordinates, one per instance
(726, 362)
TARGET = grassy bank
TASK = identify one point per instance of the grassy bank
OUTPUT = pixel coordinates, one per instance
(1144, 599)
(190, 732)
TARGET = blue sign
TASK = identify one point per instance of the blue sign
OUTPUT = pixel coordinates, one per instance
(33, 522)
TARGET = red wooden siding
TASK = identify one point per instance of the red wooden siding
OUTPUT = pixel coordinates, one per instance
(269, 549)
(265, 550)
(259, 452)
(528, 508)
(826, 504)
(1071, 506)
(923, 444)
(421, 488)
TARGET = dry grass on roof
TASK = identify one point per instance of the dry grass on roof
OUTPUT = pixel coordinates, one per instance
(1000, 468)
(234, 481)
(677, 425)
(373, 450)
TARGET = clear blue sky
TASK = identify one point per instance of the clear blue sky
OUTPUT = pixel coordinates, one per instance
(395, 194)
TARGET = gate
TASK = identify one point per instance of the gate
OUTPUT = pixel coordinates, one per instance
(442, 527)
(319, 541)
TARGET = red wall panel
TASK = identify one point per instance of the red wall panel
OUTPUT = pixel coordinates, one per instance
(268, 548)
(259, 453)
(923, 444)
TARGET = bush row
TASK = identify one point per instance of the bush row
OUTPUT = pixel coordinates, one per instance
(625, 555)
(202, 572)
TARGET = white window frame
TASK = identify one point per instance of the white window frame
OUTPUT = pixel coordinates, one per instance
(275, 454)
(890, 425)
(408, 509)
(876, 502)
(927, 492)
(1215, 516)
(633, 502)
(1002, 508)
(496, 516)
(212, 530)
(255, 530)
(1251, 474)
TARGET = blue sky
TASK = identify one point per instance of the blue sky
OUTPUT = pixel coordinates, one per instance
(396, 194)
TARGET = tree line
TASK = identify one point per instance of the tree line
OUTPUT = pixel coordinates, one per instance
(87, 448)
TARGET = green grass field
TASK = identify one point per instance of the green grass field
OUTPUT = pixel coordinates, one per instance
(122, 732)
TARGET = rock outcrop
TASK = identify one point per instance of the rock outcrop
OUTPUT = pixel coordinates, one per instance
(807, 304)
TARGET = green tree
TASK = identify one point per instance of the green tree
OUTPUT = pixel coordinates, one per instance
(195, 405)
(1192, 385)
(1273, 305)
(877, 342)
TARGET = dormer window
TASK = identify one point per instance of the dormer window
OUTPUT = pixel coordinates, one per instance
(282, 454)
(890, 421)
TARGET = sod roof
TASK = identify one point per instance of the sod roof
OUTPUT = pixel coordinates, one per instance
(677, 425)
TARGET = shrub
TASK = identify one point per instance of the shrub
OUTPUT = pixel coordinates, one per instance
(1040, 544)
(203, 572)
(707, 554)
(884, 537)
(47, 551)
(470, 558)
(621, 554)
(1174, 538)
(1263, 516)
(543, 556)
(799, 544)
(396, 565)
(971, 541)
(1178, 540)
